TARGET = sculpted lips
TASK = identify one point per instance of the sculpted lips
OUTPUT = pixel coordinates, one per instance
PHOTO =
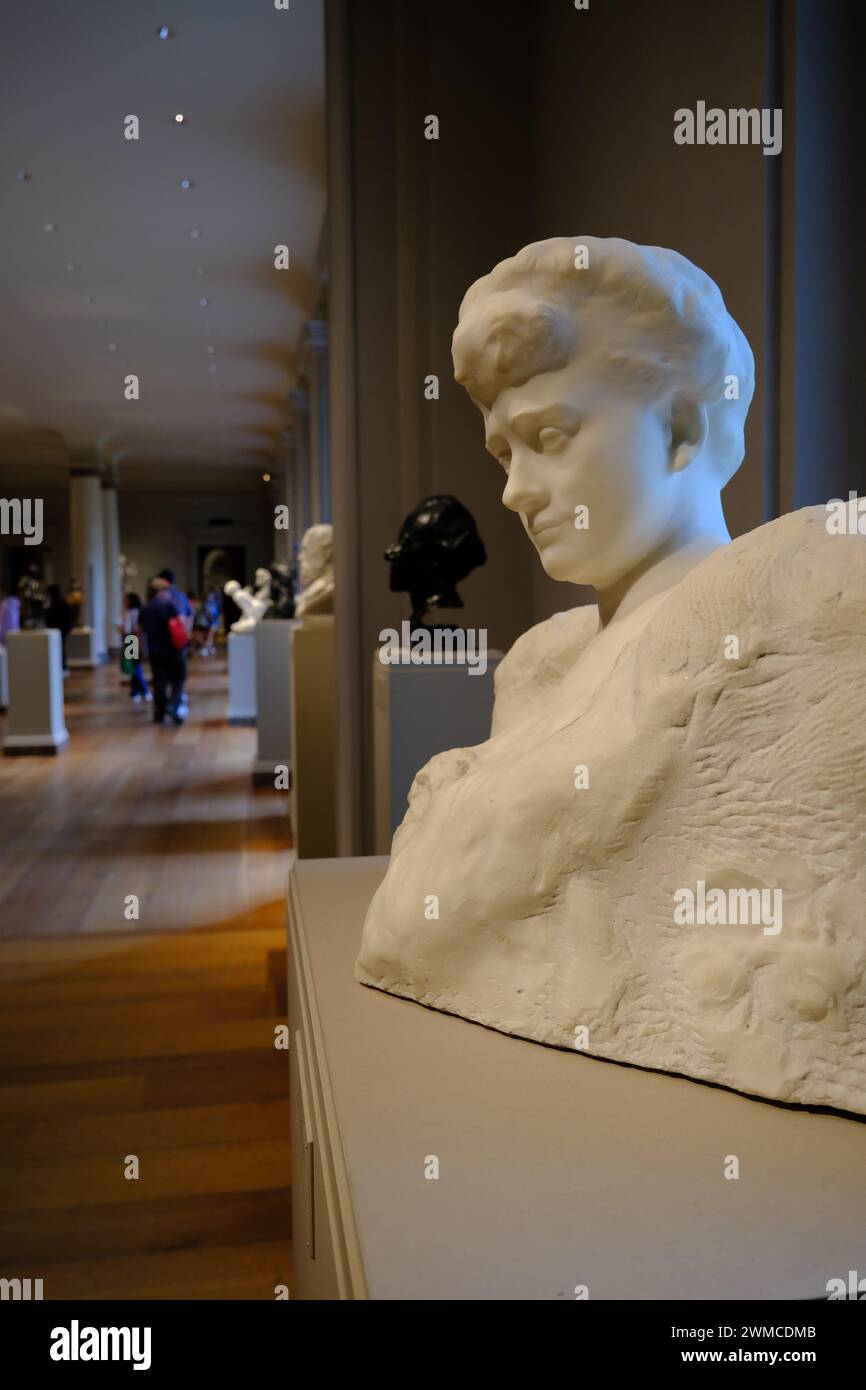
(535, 530)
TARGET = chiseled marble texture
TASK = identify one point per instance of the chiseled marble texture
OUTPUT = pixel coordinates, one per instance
(556, 905)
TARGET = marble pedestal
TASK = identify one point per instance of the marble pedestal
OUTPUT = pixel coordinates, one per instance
(419, 711)
(242, 677)
(35, 722)
(314, 734)
(553, 1169)
(82, 649)
(4, 678)
(273, 657)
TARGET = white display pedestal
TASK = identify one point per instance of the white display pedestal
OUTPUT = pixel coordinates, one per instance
(242, 677)
(82, 651)
(4, 677)
(314, 738)
(419, 711)
(273, 657)
(555, 1169)
(35, 722)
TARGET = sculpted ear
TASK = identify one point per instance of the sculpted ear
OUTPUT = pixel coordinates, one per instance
(689, 426)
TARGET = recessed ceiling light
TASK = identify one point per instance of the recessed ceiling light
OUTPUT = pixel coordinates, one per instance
(70, 265)
(88, 298)
(180, 117)
(49, 226)
(210, 349)
(266, 477)
(164, 32)
(199, 270)
(204, 303)
(195, 232)
(112, 347)
(187, 183)
(22, 176)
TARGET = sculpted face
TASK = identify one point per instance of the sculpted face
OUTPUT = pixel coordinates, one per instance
(315, 554)
(569, 439)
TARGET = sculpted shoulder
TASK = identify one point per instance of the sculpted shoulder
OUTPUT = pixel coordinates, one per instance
(788, 588)
(537, 662)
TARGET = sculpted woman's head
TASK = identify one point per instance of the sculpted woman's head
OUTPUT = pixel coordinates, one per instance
(611, 377)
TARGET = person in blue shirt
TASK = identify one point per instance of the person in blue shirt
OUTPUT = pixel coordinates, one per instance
(178, 597)
(166, 663)
(184, 608)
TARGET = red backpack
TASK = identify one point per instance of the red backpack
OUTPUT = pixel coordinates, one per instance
(178, 633)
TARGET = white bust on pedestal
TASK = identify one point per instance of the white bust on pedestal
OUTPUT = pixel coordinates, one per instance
(253, 603)
(659, 856)
(316, 569)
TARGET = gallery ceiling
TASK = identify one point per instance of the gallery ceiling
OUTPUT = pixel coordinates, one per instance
(112, 267)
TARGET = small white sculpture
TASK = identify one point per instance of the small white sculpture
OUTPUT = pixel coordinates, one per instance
(659, 856)
(253, 604)
(316, 569)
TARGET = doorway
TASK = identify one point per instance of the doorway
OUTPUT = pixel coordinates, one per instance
(215, 565)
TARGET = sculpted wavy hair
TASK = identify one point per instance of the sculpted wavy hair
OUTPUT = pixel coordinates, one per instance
(646, 313)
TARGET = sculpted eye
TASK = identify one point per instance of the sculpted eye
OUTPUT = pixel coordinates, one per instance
(550, 438)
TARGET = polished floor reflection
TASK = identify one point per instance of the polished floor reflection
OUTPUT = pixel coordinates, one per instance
(169, 815)
(152, 1038)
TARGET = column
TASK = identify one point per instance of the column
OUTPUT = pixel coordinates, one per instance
(111, 550)
(300, 400)
(320, 438)
(285, 540)
(823, 225)
(87, 551)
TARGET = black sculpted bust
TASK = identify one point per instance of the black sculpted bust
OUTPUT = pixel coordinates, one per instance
(282, 603)
(437, 547)
(34, 600)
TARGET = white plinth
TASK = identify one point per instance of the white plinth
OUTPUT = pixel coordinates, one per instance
(272, 640)
(314, 811)
(4, 677)
(82, 649)
(242, 678)
(35, 722)
(555, 1169)
(419, 711)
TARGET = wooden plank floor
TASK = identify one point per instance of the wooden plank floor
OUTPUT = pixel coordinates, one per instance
(152, 1037)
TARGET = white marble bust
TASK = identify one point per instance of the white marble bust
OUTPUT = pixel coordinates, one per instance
(253, 602)
(316, 570)
(659, 856)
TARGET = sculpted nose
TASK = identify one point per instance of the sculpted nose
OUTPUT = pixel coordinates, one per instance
(523, 491)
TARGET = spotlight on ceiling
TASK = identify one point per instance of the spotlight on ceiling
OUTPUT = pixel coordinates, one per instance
(180, 118)
(164, 32)
(187, 183)
(266, 477)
